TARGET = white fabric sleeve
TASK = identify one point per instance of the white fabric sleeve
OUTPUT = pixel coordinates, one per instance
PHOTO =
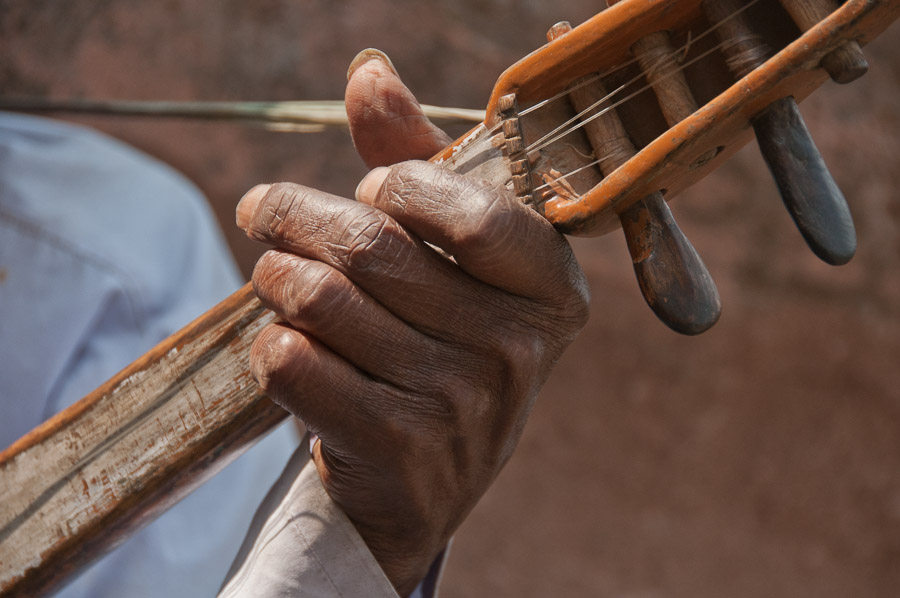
(300, 544)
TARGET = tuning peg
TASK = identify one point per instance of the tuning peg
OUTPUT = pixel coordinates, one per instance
(844, 64)
(809, 192)
(673, 279)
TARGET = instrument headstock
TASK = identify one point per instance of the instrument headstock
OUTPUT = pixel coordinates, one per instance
(647, 97)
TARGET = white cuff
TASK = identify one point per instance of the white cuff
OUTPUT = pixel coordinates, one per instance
(301, 544)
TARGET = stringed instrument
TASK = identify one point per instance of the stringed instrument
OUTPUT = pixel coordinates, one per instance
(595, 130)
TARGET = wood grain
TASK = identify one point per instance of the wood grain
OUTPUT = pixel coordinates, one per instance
(674, 161)
(807, 188)
(83, 481)
(673, 279)
(844, 64)
(79, 484)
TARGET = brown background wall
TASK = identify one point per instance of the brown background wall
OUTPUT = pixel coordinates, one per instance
(760, 459)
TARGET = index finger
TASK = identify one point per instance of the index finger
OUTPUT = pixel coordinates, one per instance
(397, 269)
(492, 236)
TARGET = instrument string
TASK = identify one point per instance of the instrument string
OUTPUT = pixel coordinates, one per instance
(657, 61)
(554, 135)
(683, 50)
(570, 126)
(559, 133)
(568, 174)
(754, 51)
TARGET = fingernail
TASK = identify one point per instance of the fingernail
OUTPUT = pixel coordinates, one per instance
(367, 55)
(246, 208)
(368, 188)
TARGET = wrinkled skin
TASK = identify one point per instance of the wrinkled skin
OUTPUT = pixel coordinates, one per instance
(416, 370)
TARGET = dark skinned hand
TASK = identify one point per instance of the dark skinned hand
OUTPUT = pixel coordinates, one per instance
(416, 371)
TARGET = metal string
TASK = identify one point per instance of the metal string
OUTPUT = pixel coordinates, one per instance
(683, 49)
(544, 141)
(555, 135)
(562, 130)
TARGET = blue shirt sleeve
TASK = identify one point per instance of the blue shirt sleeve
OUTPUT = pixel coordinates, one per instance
(103, 253)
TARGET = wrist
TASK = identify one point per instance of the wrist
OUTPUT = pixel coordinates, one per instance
(404, 545)
(405, 561)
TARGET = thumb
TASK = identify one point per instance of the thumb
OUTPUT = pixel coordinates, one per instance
(386, 122)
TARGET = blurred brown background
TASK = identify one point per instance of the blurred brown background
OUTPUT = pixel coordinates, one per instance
(760, 459)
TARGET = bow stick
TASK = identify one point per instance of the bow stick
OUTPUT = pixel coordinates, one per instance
(291, 116)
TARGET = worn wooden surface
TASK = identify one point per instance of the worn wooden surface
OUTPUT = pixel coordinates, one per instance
(807, 188)
(258, 405)
(689, 150)
(673, 279)
(675, 160)
(84, 480)
(844, 64)
(756, 459)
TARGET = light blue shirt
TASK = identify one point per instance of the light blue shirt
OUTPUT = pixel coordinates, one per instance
(103, 253)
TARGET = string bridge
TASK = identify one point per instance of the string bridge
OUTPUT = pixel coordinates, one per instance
(514, 149)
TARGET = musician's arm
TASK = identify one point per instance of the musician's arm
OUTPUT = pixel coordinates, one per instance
(301, 544)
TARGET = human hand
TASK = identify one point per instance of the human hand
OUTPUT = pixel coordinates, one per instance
(416, 371)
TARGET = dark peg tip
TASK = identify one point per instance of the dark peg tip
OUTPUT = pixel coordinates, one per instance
(673, 279)
(809, 192)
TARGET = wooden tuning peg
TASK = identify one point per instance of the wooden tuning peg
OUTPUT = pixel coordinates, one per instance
(807, 188)
(673, 279)
(844, 64)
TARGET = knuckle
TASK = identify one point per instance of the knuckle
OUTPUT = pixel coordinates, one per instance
(276, 216)
(402, 430)
(488, 227)
(307, 293)
(318, 296)
(451, 394)
(269, 274)
(518, 358)
(468, 393)
(372, 245)
(570, 312)
(578, 308)
(276, 359)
